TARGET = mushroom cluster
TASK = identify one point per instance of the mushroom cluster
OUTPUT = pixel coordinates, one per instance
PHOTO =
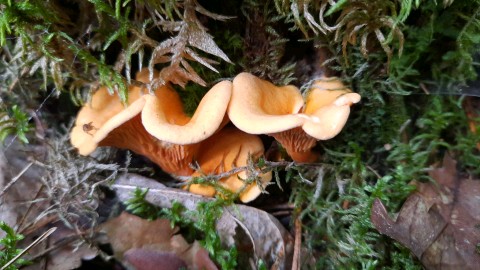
(259, 107)
(156, 126)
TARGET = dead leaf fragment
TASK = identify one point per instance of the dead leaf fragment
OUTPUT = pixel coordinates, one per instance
(134, 240)
(19, 184)
(439, 222)
(68, 254)
(128, 231)
(144, 259)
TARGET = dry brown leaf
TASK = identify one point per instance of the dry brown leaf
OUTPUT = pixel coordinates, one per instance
(19, 183)
(241, 225)
(144, 259)
(134, 239)
(68, 255)
(128, 231)
(439, 222)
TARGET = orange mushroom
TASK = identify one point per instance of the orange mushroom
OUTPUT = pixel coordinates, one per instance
(259, 107)
(125, 130)
(110, 124)
(229, 149)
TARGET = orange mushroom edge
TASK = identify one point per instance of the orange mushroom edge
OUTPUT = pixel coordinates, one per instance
(225, 151)
(327, 108)
(163, 115)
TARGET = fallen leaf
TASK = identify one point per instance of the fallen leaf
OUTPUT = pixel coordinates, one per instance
(438, 222)
(68, 255)
(134, 239)
(19, 183)
(269, 240)
(128, 231)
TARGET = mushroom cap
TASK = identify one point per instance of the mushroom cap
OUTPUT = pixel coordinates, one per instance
(164, 118)
(119, 119)
(259, 107)
(323, 92)
(228, 149)
(327, 108)
(102, 107)
(94, 115)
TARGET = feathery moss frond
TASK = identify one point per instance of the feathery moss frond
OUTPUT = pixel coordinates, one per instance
(99, 49)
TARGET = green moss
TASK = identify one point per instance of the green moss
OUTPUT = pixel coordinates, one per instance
(9, 247)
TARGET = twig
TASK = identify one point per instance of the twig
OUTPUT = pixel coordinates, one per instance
(318, 184)
(38, 223)
(34, 243)
(271, 208)
(14, 179)
(298, 244)
(281, 213)
(268, 165)
(75, 235)
(64, 241)
(374, 171)
(32, 202)
(30, 118)
(424, 88)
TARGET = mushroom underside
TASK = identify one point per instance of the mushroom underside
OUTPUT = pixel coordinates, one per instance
(298, 144)
(172, 158)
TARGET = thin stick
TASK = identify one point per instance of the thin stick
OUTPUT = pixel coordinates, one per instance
(54, 90)
(34, 243)
(424, 88)
(20, 224)
(298, 244)
(60, 243)
(268, 164)
(281, 213)
(32, 226)
(14, 179)
(274, 207)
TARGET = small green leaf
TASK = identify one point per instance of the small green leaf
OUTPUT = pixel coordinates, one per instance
(338, 5)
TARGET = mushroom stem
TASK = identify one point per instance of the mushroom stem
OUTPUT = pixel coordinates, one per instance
(298, 144)
(307, 156)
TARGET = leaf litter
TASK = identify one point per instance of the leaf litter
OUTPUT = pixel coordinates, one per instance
(440, 221)
(149, 245)
(260, 234)
(267, 237)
